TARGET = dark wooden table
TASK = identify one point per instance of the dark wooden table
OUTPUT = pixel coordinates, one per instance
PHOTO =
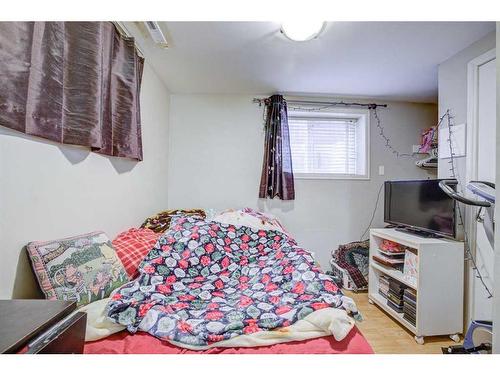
(22, 321)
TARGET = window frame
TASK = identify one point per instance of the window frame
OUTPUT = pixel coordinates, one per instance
(362, 116)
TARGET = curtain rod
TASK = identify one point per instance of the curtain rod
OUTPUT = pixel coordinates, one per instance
(261, 101)
(122, 29)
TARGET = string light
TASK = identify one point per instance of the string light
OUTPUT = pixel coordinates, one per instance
(387, 141)
(388, 145)
(455, 175)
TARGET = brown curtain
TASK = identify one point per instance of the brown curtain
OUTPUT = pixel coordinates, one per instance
(277, 175)
(72, 82)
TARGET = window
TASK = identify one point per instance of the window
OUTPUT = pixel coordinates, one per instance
(329, 145)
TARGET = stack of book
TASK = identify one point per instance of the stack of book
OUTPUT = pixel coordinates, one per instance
(383, 285)
(410, 305)
(393, 257)
(395, 295)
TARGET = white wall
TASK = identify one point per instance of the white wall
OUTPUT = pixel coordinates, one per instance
(452, 84)
(496, 286)
(49, 191)
(215, 159)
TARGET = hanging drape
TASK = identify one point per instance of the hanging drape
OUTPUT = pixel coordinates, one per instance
(72, 82)
(277, 175)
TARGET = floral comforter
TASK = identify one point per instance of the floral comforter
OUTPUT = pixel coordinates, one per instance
(206, 282)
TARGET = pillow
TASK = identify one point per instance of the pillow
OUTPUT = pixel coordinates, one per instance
(265, 218)
(161, 221)
(83, 268)
(210, 213)
(250, 218)
(132, 246)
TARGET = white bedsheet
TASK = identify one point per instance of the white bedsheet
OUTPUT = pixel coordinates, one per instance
(99, 325)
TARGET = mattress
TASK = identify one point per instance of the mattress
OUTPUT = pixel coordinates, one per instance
(143, 343)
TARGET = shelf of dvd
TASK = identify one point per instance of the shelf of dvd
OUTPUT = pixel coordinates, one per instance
(418, 281)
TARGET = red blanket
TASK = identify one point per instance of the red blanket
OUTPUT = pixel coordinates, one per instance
(143, 343)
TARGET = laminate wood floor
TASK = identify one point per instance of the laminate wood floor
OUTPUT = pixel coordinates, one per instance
(387, 336)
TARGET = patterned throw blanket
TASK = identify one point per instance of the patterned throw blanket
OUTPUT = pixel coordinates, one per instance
(353, 257)
(206, 282)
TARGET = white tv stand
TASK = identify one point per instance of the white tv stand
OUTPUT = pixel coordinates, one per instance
(439, 284)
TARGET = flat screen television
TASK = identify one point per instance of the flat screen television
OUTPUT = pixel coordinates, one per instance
(421, 207)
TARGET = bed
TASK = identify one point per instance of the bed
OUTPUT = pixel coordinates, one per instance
(237, 284)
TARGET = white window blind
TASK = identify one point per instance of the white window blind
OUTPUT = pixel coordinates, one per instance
(327, 146)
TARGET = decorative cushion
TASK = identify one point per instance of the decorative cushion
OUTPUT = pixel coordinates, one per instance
(132, 246)
(161, 221)
(250, 218)
(83, 268)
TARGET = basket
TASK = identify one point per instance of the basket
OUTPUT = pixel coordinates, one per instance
(343, 279)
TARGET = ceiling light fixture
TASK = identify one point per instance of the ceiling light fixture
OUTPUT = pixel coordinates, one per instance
(300, 31)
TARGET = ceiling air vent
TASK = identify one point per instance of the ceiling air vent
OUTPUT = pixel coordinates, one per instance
(156, 33)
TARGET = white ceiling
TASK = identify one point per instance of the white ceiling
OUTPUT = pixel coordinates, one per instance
(392, 60)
